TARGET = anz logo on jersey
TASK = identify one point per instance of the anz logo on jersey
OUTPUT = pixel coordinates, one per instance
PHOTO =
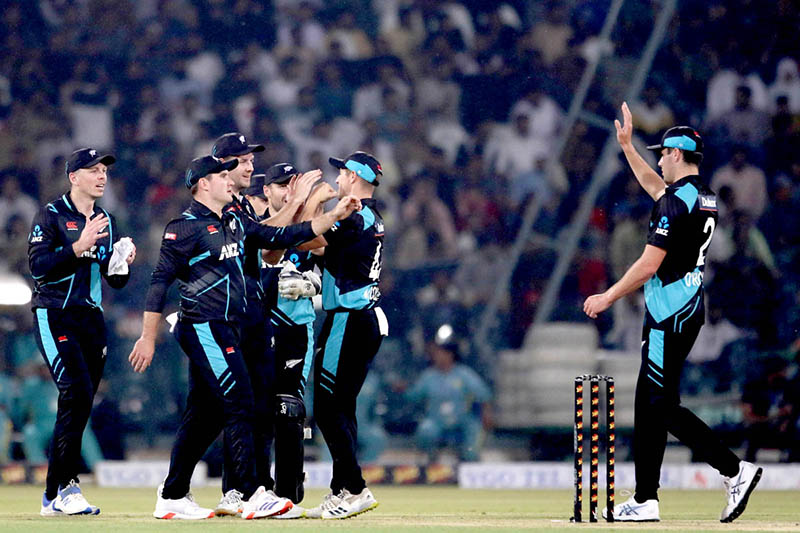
(229, 250)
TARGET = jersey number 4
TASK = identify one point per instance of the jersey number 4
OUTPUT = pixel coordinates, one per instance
(708, 228)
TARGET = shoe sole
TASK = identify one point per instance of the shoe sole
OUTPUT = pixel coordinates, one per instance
(362, 511)
(226, 512)
(739, 509)
(179, 516)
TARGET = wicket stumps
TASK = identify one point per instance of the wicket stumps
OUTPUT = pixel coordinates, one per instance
(594, 445)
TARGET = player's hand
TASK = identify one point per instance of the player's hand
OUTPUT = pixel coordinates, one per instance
(624, 130)
(142, 354)
(300, 186)
(322, 194)
(91, 232)
(596, 304)
(346, 205)
(130, 259)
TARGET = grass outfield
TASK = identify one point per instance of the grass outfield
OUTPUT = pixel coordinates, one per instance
(407, 509)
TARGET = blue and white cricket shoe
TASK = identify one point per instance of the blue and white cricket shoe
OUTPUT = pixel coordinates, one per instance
(633, 511)
(69, 501)
(738, 489)
(48, 507)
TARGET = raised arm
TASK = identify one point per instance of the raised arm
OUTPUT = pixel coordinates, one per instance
(648, 178)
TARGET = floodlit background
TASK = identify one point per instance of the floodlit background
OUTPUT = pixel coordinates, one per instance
(506, 199)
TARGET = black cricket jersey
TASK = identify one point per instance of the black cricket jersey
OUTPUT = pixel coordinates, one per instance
(62, 280)
(252, 262)
(682, 223)
(353, 260)
(204, 252)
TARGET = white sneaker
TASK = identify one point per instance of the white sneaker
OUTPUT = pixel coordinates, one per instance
(183, 509)
(350, 505)
(738, 490)
(70, 501)
(295, 512)
(48, 507)
(230, 504)
(633, 511)
(264, 503)
(330, 501)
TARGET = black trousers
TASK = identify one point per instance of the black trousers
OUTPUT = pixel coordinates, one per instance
(294, 353)
(220, 398)
(73, 343)
(658, 409)
(259, 358)
(347, 344)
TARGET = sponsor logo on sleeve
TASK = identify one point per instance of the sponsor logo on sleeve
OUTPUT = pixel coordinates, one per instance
(663, 227)
(170, 236)
(36, 234)
(708, 203)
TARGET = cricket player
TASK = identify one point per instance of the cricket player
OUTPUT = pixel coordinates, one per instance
(290, 285)
(352, 333)
(202, 248)
(70, 247)
(671, 269)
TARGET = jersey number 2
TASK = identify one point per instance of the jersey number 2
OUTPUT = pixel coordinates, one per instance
(708, 228)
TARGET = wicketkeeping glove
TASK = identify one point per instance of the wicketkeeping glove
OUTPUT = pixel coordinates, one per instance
(293, 284)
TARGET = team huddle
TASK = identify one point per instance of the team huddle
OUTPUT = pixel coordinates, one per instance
(244, 254)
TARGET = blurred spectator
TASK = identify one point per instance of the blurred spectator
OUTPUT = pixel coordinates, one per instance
(747, 182)
(771, 407)
(333, 96)
(651, 115)
(353, 41)
(513, 149)
(15, 203)
(24, 178)
(724, 88)
(455, 399)
(89, 100)
(372, 437)
(7, 394)
(787, 83)
(744, 124)
(368, 101)
(424, 211)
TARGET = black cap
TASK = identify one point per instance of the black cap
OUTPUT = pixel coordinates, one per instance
(232, 144)
(680, 137)
(363, 164)
(280, 173)
(87, 157)
(203, 166)
(256, 188)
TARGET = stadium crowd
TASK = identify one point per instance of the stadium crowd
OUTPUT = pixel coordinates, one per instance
(462, 102)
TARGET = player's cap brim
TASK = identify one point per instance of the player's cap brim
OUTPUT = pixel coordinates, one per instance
(336, 162)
